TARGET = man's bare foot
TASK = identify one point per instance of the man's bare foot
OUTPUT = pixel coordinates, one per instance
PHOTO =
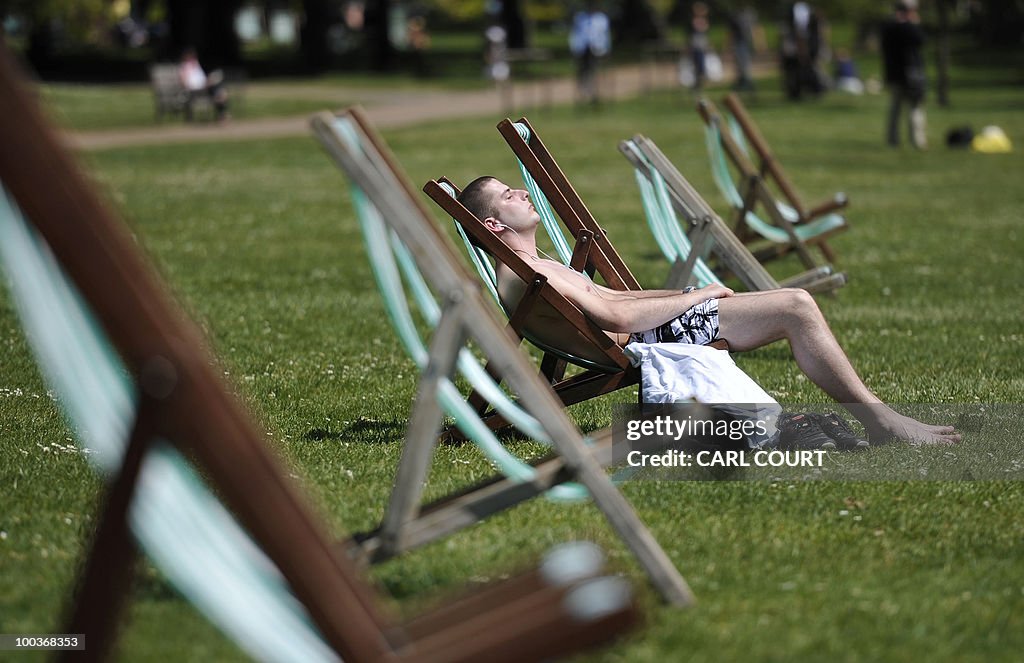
(893, 426)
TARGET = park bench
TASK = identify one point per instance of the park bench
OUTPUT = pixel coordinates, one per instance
(170, 96)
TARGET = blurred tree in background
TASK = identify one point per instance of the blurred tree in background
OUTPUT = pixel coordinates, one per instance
(369, 34)
(209, 27)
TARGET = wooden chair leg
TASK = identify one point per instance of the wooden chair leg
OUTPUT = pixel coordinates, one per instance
(553, 368)
(424, 425)
(826, 250)
(106, 577)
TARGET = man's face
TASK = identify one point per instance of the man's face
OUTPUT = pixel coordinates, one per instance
(512, 207)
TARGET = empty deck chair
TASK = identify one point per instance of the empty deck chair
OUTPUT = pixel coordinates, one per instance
(686, 265)
(791, 226)
(403, 243)
(191, 482)
(665, 192)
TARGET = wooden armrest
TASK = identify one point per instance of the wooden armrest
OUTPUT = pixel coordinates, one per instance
(838, 201)
(810, 276)
(525, 305)
(581, 252)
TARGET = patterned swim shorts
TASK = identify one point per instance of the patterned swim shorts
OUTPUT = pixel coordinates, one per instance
(697, 326)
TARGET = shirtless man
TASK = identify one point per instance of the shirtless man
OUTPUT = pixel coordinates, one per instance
(746, 320)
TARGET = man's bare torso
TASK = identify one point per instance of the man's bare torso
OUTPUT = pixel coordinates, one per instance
(546, 325)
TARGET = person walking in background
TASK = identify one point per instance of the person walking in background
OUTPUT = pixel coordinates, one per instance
(903, 69)
(799, 48)
(496, 54)
(699, 43)
(419, 44)
(742, 29)
(197, 83)
(589, 41)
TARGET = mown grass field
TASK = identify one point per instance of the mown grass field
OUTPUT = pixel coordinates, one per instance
(259, 241)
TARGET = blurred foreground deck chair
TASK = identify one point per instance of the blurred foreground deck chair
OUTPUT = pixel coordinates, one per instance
(664, 192)
(791, 226)
(190, 481)
(407, 251)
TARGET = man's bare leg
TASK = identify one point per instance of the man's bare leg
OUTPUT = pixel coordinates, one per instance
(751, 320)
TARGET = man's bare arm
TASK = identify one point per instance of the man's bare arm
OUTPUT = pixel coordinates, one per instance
(614, 295)
(646, 294)
(617, 313)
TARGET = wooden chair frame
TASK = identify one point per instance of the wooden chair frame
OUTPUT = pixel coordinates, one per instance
(710, 233)
(592, 252)
(755, 187)
(183, 401)
(593, 380)
(466, 315)
(571, 209)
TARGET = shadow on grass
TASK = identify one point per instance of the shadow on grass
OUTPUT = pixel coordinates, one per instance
(372, 431)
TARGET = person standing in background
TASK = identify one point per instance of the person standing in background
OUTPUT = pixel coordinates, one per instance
(800, 42)
(903, 68)
(742, 28)
(419, 44)
(589, 41)
(699, 43)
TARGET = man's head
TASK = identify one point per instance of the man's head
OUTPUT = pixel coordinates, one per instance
(499, 206)
(477, 198)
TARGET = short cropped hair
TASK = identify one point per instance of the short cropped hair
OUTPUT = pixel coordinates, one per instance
(479, 202)
(475, 198)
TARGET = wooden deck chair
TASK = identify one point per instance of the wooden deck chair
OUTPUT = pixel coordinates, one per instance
(402, 241)
(686, 265)
(553, 194)
(791, 226)
(604, 367)
(665, 192)
(191, 482)
(548, 184)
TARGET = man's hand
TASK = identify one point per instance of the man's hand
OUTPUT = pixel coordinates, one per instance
(714, 291)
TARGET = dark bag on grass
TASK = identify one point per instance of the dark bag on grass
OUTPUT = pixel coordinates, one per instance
(959, 137)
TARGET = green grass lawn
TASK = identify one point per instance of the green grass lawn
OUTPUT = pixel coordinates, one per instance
(260, 242)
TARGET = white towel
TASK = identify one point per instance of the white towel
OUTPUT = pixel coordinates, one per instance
(680, 372)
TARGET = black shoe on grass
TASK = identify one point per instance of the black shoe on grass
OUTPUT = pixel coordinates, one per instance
(802, 431)
(836, 428)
